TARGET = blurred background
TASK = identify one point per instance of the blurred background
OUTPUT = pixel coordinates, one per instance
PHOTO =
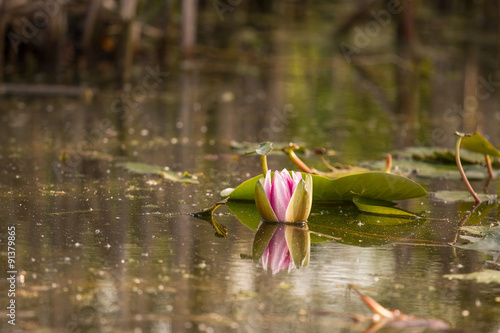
(189, 85)
(396, 73)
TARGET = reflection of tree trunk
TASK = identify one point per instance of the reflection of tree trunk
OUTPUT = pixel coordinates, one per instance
(189, 17)
(89, 29)
(3, 37)
(128, 12)
(471, 73)
(162, 42)
(407, 75)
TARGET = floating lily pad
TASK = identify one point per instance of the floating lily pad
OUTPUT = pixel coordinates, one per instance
(480, 230)
(379, 207)
(475, 214)
(423, 169)
(465, 196)
(479, 144)
(486, 276)
(374, 185)
(490, 244)
(148, 169)
(437, 155)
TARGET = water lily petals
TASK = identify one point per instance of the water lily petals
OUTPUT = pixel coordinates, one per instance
(262, 202)
(300, 204)
(288, 180)
(280, 196)
(297, 177)
(268, 183)
(299, 244)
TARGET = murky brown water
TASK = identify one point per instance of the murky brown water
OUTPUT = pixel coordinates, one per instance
(99, 249)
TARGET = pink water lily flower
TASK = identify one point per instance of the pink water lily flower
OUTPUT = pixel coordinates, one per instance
(284, 198)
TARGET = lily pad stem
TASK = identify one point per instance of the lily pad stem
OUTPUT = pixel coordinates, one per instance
(296, 160)
(461, 170)
(388, 163)
(263, 163)
(488, 165)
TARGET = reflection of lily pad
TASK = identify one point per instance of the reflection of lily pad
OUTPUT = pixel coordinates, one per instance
(454, 196)
(341, 221)
(379, 207)
(486, 276)
(148, 169)
(375, 185)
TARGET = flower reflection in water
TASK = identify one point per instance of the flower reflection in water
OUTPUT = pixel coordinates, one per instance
(282, 246)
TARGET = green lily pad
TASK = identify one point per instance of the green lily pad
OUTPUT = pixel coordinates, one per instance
(479, 144)
(148, 169)
(437, 155)
(379, 207)
(480, 230)
(478, 214)
(374, 185)
(486, 276)
(465, 196)
(490, 244)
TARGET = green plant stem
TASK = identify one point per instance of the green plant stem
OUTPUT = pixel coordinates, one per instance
(461, 170)
(488, 165)
(263, 163)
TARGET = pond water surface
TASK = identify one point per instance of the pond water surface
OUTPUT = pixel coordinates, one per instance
(101, 249)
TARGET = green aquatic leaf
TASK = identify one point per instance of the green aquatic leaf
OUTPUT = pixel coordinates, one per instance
(148, 169)
(437, 155)
(489, 244)
(264, 148)
(480, 230)
(208, 212)
(207, 215)
(379, 207)
(374, 185)
(486, 276)
(474, 214)
(464, 196)
(479, 144)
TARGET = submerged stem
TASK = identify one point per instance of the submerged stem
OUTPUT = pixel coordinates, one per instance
(461, 170)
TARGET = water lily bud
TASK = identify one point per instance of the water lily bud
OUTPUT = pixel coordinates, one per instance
(284, 198)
